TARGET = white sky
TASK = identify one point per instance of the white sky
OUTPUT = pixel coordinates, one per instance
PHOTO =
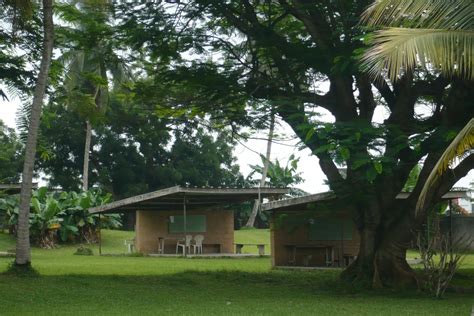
(308, 164)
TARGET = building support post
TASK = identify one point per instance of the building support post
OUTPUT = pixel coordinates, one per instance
(100, 235)
(342, 262)
(185, 224)
(450, 223)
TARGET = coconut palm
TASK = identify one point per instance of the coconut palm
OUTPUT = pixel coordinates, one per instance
(23, 251)
(433, 34)
(88, 64)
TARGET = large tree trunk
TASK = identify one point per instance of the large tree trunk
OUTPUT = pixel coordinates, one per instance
(382, 257)
(87, 148)
(23, 251)
(381, 265)
(256, 204)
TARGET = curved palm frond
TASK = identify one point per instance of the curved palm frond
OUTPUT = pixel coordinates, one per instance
(401, 49)
(461, 146)
(443, 14)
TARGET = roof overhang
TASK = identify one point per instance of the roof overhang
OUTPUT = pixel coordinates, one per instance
(14, 188)
(298, 202)
(173, 199)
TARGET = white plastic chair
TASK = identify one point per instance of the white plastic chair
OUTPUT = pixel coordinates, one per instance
(130, 244)
(198, 244)
(185, 244)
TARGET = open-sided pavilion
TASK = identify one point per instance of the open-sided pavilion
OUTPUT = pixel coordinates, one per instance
(166, 216)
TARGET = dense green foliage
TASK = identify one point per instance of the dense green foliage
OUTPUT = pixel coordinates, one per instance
(60, 216)
(19, 48)
(139, 143)
(136, 151)
(131, 285)
(10, 155)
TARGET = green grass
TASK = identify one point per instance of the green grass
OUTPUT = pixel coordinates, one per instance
(71, 284)
(253, 236)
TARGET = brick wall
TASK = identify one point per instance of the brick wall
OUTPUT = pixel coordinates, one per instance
(281, 235)
(150, 225)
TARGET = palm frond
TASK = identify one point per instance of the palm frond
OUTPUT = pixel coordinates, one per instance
(22, 120)
(443, 14)
(462, 144)
(401, 49)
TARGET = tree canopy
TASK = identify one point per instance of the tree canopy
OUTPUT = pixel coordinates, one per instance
(136, 151)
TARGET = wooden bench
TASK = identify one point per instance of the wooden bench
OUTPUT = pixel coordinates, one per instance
(329, 252)
(215, 247)
(261, 248)
(7, 254)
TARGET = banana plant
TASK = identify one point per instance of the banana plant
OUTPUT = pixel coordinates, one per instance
(61, 214)
(9, 206)
(45, 218)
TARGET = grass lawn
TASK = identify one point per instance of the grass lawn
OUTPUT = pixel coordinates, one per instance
(71, 284)
(253, 236)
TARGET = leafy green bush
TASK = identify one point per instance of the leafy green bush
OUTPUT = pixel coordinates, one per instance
(61, 215)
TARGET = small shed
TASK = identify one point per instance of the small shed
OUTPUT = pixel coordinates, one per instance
(165, 216)
(310, 231)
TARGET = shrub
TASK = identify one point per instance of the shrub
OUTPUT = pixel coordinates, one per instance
(84, 251)
(440, 255)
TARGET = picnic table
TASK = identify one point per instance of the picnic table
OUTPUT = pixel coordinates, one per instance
(294, 247)
(261, 248)
(161, 242)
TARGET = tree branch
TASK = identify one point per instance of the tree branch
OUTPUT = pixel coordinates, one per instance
(315, 26)
(367, 103)
(381, 85)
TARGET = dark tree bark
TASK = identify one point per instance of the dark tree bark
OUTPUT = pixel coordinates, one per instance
(23, 251)
(87, 149)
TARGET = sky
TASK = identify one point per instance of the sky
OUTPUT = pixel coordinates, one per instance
(248, 152)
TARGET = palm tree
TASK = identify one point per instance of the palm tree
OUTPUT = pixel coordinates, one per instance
(23, 251)
(87, 66)
(436, 35)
